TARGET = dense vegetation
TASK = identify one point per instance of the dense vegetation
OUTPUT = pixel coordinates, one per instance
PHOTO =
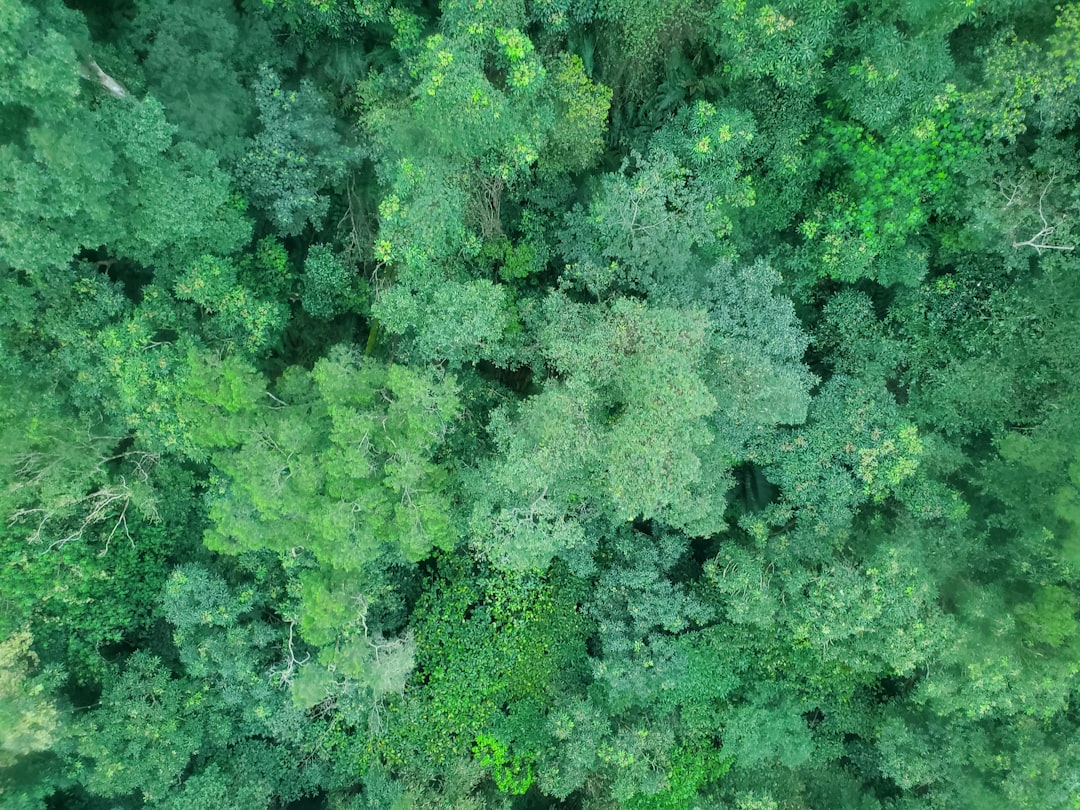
(638, 404)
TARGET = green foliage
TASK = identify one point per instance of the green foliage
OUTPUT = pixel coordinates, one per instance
(30, 718)
(224, 724)
(577, 138)
(1043, 90)
(328, 286)
(755, 485)
(85, 171)
(266, 270)
(450, 322)
(325, 18)
(342, 457)
(70, 185)
(989, 353)
(647, 230)
(62, 480)
(295, 157)
(711, 143)
(197, 60)
(886, 190)
(690, 770)
(625, 432)
(484, 646)
(641, 232)
(344, 454)
(512, 774)
(757, 346)
(1050, 617)
(85, 594)
(140, 710)
(639, 612)
(632, 38)
(862, 451)
(786, 42)
(236, 319)
(767, 730)
(486, 110)
(33, 725)
(889, 81)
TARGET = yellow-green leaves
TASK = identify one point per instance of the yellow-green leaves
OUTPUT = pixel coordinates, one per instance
(583, 105)
(522, 65)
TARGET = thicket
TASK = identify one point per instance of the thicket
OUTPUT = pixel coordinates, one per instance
(614, 404)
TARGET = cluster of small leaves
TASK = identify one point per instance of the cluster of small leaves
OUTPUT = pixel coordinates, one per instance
(328, 286)
(643, 231)
(343, 459)
(787, 42)
(237, 317)
(484, 645)
(296, 157)
(885, 192)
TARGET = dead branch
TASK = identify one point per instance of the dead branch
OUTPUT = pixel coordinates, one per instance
(285, 676)
(1038, 240)
(93, 73)
(99, 506)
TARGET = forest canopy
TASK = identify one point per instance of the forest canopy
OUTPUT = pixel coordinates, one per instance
(513, 404)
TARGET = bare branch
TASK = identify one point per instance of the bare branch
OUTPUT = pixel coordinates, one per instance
(1039, 246)
(1047, 229)
(109, 501)
(286, 674)
(1009, 198)
(91, 72)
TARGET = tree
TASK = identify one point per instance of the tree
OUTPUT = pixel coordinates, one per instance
(337, 473)
(656, 223)
(623, 434)
(329, 287)
(33, 728)
(296, 156)
(492, 650)
(349, 455)
(486, 110)
(88, 174)
(199, 62)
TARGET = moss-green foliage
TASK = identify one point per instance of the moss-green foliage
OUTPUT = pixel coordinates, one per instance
(198, 61)
(86, 168)
(329, 287)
